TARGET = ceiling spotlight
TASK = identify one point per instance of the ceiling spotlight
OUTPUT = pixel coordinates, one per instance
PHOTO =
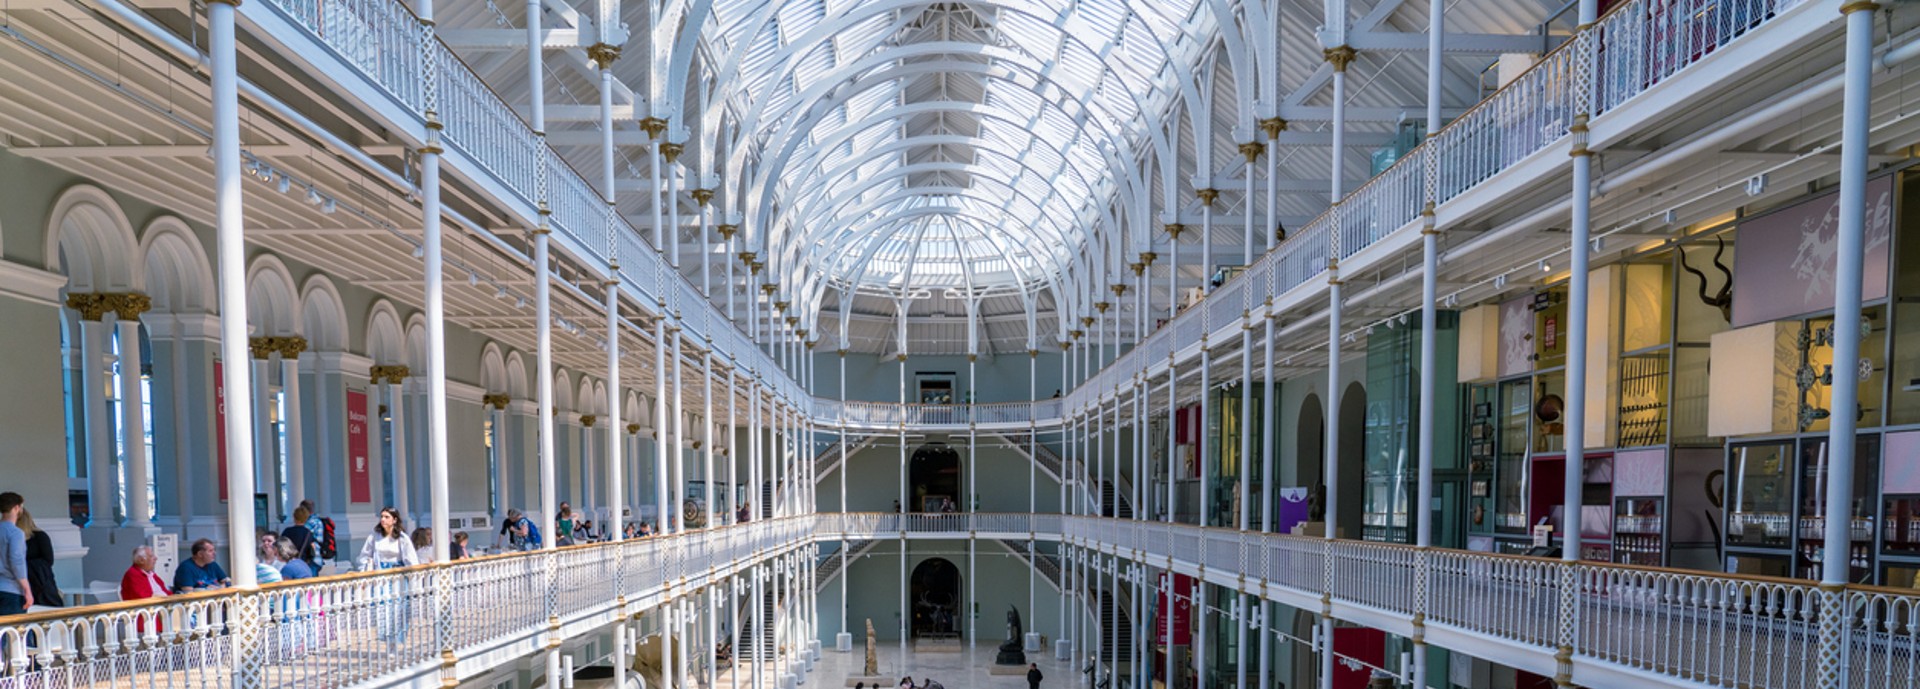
(285, 184)
(313, 196)
(522, 303)
(329, 206)
(473, 279)
(500, 293)
(1545, 267)
(419, 251)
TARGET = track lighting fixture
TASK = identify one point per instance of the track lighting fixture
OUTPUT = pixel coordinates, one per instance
(419, 251)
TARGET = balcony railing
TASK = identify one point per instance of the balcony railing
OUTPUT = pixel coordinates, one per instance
(1664, 626)
(384, 42)
(370, 627)
(1636, 47)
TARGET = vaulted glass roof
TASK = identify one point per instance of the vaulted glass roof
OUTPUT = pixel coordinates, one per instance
(893, 146)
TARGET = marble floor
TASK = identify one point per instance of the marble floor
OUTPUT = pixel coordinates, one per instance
(967, 669)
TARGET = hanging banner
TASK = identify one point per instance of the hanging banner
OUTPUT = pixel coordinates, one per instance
(359, 479)
(1357, 651)
(1785, 260)
(220, 426)
(1182, 611)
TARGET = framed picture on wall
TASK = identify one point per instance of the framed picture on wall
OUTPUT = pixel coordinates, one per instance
(1481, 489)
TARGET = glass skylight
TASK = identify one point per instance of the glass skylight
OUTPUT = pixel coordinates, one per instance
(944, 145)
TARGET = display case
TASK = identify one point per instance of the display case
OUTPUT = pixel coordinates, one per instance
(1812, 554)
(1514, 410)
(1760, 500)
(1900, 499)
(1639, 531)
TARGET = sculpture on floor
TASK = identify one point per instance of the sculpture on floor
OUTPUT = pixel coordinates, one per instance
(873, 661)
(1013, 651)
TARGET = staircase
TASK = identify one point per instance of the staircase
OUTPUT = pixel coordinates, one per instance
(829, 565)
(1037, 453)
(1114, 500)
(757, 635)
(829, 459)
(767, 492)
(1047, 565)
(1117, 646)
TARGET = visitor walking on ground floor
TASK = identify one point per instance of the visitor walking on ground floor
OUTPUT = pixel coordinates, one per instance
(1034, 676)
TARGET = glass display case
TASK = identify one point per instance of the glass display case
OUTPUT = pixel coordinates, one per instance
(1639, 533)
(1480, 457)
(1513, 413)
(1760, 500)
(1813, 554)
(1900, 502)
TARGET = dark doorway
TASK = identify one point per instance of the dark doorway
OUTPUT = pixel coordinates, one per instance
(934, 475)
(935, 593)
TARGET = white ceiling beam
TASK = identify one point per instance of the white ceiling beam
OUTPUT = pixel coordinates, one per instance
(512, 39)
(1317, 113)
(1464, 44)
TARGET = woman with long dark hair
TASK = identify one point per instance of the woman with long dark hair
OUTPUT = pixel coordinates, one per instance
(388, 547)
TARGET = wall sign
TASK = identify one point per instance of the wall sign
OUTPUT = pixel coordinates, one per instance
(220, 425)
(1784, 261)
(359, 477)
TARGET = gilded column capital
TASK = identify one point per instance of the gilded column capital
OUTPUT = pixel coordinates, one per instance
(672, 152)
(1101, 307)
(1207, 195)
(633, 429)
(1252, 150)
(1273, 126)
(497, 400)
(727, 231)
(1120, 288)
(263, 348)
(603, 55)
(702, 196)
(391, 375)
(653, 126)
(755, 267)
(290, 348)
(1339, 57)
(1174, 229)
(1147, 258)
(588, 420)
(1137, 268)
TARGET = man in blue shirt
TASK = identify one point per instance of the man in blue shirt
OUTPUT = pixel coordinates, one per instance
(15, 594)
(200, 573)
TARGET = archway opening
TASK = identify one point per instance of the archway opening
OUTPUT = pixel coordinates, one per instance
(934, 475)
(934, 590)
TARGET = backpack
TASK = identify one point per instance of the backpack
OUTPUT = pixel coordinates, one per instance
(329, 548)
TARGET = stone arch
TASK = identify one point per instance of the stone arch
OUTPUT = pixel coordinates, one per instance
(517, 377)
(91, 242)
(179, 278)
(585, 401)
(273, 306)
(630, 407)
(416, 354)
(323, 315)
(562, 391)
(385, 345)
(1310, 440)
(493, 369)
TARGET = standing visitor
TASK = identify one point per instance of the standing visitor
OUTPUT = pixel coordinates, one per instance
(16, 592)
(1033, 676)
(423, 545)
(293, 567)
(388, 546)
(46, 590)
(563, 525)
(306, 540)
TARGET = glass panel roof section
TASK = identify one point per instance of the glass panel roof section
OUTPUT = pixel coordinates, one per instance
(899, 145)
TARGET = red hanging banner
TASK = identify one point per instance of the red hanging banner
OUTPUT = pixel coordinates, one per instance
(1182, 611)
(359, 481)
(220, 425)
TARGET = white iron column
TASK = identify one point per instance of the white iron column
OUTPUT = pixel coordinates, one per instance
(296, 478)
(231, 262)
(1339, 56)
(706, 436)
(678, 442)
(1207, 197)
(1173, 270)
(1421, 510)
(436, 306)
(1835, 664)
